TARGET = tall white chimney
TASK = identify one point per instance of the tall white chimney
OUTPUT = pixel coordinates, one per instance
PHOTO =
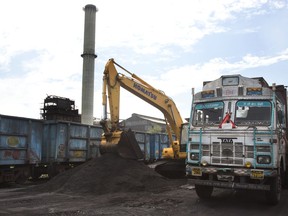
(88, 65)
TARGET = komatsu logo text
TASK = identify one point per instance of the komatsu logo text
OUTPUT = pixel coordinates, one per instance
(146, 92)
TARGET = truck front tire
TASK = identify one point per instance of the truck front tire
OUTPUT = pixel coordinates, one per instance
(273, 196)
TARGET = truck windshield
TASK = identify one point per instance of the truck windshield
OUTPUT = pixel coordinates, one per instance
(209, 113)
(250, 112)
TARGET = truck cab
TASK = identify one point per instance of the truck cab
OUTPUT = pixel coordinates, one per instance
(237, 137)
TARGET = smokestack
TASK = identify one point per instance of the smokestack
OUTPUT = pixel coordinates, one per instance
(88, 65)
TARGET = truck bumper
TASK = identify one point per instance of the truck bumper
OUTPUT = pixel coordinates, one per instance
(228, 177)
(232, 185)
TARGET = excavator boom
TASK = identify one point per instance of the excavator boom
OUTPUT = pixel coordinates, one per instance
(115, 140)
(123, 142)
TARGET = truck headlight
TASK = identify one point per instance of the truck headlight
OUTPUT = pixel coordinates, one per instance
(248, 164)
(263, 159)
(194, 156)
(204, 163)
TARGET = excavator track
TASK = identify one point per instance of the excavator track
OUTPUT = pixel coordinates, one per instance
(172, 169)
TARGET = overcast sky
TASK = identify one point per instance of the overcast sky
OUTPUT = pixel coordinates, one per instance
(172, 44)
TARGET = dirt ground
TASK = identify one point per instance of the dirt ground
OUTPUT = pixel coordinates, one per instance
(113, 186)
(19, 202)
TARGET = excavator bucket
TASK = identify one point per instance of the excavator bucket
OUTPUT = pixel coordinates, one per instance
(123, 143)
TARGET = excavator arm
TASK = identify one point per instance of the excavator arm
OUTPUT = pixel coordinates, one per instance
(112, 82)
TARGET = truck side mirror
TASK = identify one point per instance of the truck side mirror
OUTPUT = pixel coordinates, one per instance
(280, 116)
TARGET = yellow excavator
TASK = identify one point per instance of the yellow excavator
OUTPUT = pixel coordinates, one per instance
(124, 143)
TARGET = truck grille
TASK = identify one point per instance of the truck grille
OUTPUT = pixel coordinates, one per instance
(227, 153)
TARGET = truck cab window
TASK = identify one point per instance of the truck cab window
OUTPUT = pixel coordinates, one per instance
(208, 113)
(250, 112)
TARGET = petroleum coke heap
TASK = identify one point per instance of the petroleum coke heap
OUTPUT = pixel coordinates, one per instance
(107, 174)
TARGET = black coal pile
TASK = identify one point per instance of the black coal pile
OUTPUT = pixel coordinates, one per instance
(107, 174)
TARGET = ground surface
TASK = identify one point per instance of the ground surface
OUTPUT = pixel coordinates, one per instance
(113, 186)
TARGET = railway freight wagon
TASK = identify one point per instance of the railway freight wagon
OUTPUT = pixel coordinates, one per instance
(67, 144)
(20, 147)
(31, 147)
(152, 145)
